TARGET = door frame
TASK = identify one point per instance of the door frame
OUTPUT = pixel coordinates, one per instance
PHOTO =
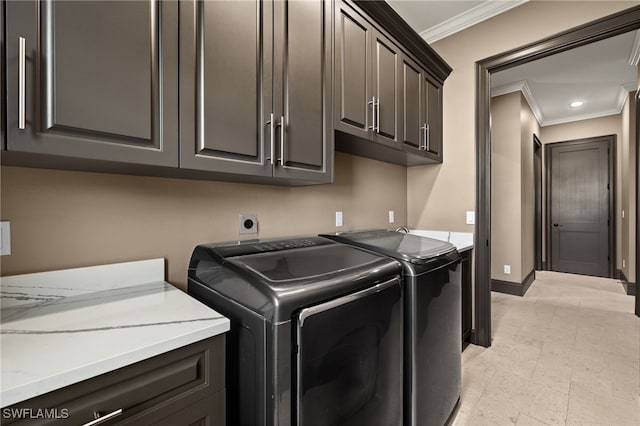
(611, 175)
(609, 26)
(539, 263)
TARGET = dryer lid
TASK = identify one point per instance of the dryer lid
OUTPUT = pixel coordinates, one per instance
(398, 245)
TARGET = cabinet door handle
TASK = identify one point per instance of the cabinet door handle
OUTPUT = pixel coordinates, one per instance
(378, 116)
(427, 142)
(282, 130)
(101, 419)
(373, 114)
(423, 143)
(272, 133)
(21, 82)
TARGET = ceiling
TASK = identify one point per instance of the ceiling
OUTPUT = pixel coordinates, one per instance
(600, 74)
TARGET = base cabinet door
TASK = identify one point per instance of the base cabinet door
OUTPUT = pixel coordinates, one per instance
(93, 79)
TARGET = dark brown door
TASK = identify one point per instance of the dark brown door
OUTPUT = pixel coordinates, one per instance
(412, 104)
(386, 70)
(581, 198)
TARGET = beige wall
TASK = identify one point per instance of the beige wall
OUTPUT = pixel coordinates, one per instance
(506, 206)
(439, 196)
(610, 125)
(64, 219)
(529, 126)
(512, 187)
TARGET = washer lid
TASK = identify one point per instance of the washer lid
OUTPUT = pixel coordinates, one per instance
(398, 245)
(290, 267)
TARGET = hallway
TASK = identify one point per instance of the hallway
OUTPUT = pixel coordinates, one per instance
(568, 352)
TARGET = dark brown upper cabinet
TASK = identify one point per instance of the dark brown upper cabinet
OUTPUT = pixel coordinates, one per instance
(422, 112)
(388, 97)
(94, 80)
(256, 88)
(367, 76)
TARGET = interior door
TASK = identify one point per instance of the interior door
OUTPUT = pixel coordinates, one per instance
(96, 79)
(581, 199)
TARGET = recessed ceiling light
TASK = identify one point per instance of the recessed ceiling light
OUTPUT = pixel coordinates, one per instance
(576, 104)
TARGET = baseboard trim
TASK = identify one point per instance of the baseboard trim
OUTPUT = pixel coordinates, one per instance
(629, 287)
(513, 288)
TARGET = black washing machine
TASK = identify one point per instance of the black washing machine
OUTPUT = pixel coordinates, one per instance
(316, 331)
(432, 313)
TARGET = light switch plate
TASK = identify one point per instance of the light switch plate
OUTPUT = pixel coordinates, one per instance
(392, 216)
(5, 238)
(507, 269)
(471, 218)
(339, 219)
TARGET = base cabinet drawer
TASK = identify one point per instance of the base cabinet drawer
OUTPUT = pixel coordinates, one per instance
(146, 392)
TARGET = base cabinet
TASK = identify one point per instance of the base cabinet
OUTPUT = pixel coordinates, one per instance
(183, 387)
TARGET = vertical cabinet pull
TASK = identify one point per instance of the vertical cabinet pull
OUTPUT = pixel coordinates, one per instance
(423, 142)
(21, 83)
(283, 159)
(272, 133)
(427, 143)
(373, 114)
(377, 106)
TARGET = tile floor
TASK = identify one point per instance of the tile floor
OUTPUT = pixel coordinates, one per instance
(567, 353)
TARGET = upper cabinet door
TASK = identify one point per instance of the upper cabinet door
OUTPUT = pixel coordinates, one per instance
(386, 70)
(94, 79)
(353, 101)
(433, 101)
(303, 89)
(413, 109)
(225, 86)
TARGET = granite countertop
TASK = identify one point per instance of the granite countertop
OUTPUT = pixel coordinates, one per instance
(462, 240)
(62, 327)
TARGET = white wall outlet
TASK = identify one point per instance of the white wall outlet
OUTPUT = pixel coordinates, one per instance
(248, 223)
(507, 269)
(339, 219)
(5, 238)
(623, 214)
(624, 263)
(392, 216)
(471, 218)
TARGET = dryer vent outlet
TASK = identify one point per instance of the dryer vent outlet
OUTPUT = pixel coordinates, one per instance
(248, 223)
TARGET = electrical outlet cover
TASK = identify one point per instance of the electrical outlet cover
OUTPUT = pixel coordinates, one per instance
(248, 223)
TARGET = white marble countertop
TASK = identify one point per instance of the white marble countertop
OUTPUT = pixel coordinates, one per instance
(462, 240)
(63, 327)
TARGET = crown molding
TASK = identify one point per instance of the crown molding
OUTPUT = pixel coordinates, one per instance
(482, 12)
(634, 55)
(522, 86)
